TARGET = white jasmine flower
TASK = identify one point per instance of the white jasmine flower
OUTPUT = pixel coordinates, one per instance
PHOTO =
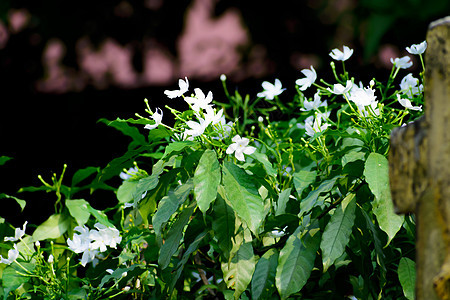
(278, 233)
(197, 129)
(407, 104)
(337, 54)
(313, 105)
(19, 233)
(157, 117)
(129, 173)
(240, 147)
(271, 90)
(339, 89)
(13, 254)
(362, 96)
(310, 78)
(313, 128)
(200, 101)
(89, 256)
(402, 63)
(409, 87)
(184, 86)
(211, 117)
(417, 48)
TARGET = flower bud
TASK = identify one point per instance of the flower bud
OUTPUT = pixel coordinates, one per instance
(50, 259)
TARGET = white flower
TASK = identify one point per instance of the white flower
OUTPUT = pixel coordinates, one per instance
(197, 129)
(271, 90)
(310, 78)
(184, 86)
(313, 128)
(199, 101)
(362, 96)
(278, 233)
(88, 256)
(409, 87)
(223, 77)
(79, 242)
(313, 105)
(407, 104)
(402, 63)
(19, 233)
(417, 48)
(157, 117)
(240, 147)
(339, 89)
(337, 54)
(13, 254)
(211, 117)
(129, 173)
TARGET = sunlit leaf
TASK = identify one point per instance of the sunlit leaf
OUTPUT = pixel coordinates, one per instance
(376, 172)
(207, 178)
(407, 277)
(55, 226)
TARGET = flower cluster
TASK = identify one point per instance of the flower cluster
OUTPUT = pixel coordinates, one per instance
(13, 253)
(92, 242)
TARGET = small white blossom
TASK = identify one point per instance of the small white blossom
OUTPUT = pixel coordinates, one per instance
(362, 96)
(306, 82)
(129, 173)
(200, 101)
(223, 77)
(417, 48)
(313, 105)
(13, 254)
(184, 86)
(407, 104)
(157, 117)
(211, 117)
(18, 234)
(240, 147)
(271, 90)
(313, 128)
(337, 54)
(51, 259)
(196, 129)
(339, 89)
(409, 86)
(402, 63)
(278, 233)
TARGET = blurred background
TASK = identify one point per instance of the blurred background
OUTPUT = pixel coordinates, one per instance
(66, 64)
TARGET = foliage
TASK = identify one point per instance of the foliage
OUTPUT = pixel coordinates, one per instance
(299, 209)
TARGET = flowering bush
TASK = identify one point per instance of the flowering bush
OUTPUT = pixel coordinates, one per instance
(230, 203)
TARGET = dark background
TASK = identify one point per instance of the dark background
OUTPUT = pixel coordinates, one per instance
(48, 119)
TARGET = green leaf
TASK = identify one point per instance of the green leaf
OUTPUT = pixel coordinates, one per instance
(82, 174)
(126, 190)
(174, 236)
(352, 156)
(376, 171)
(238, 272)
(4, 159)
(310, 201)
(54, 227)
(407, 277)
(283, 198)
(180, 266)
(263, 281)
(126, 129)
(262, 158)
(206, 180)
(303, 179)
(296, 261)
(169, 205)
(21, 202)
(223, 224)
(242, 195)
(79, 210)
(100, 216)
(177, 147)
(337, 232)
(12, 277)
